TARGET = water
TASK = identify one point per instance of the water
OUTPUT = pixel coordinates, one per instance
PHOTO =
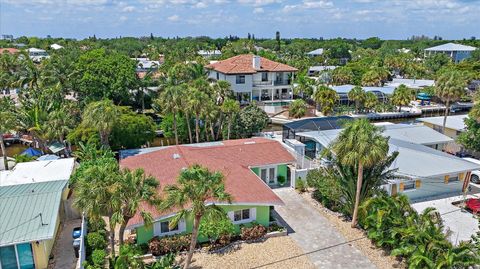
(14, 149)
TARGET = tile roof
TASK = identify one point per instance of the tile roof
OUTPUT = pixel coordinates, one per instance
(9, 50)
(233, 158)
(243, 64)
(20, 209)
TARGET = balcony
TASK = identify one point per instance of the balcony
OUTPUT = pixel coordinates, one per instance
(259, 83)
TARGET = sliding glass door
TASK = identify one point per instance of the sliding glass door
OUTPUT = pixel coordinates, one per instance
(17, 257)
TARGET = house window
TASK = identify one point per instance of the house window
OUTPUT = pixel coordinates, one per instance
(409, 185)
(264, 76)
(453, 179)
(17, 256)
(268, 175)
(218, 76)
(161, 228)
(240, 79)
(242, 215)
(164, 227)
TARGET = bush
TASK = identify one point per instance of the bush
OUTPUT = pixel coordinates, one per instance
(281, 180)
(98, 257)
(219, 232)
(169, 244)
(300, 185)
(297, 109)
(255, 232)
(274, 227)
(96, 225)
(165, 262)
(327, 190)
(96, 240)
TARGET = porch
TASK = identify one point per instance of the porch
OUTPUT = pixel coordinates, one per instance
(275, 175)
(272, 94)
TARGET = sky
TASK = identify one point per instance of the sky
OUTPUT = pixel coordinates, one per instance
(388, 19)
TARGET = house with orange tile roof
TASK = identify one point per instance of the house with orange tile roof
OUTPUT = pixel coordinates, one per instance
(250, 167)
(255, 78)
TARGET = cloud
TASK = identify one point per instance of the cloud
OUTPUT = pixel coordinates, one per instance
(258, 3)
(201, 5)
(128, 9)
(309, 4)
(174, 18)
(258, 10)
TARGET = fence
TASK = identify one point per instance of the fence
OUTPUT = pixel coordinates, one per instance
(82, 250)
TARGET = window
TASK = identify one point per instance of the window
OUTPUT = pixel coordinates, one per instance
(164, 227)
(453, 179)
(240, 79)
(218, 76)
(18, 256)
(161, 228)
(242, 216)
(268, 175)
(264, 76)
(409, 185)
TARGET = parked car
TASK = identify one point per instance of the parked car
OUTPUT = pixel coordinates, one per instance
(475, 177)
(77, 232)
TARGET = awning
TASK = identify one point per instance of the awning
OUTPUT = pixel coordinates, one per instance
(56, 146)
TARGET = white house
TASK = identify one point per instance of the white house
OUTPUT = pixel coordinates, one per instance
(255, 78)
(209, 53)
(315, 53)
(37, 55)
(457, 52)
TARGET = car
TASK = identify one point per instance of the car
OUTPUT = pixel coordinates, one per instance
(475, 177)
(77, 232)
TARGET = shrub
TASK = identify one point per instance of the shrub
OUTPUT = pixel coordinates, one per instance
(96, 225)
(281, 180)
(96, 240)
(274, 227)
(98, 257)
(253, 233)
(169, 244)
(217, 231)
(300, 185)
(327, 190)
(165, 262)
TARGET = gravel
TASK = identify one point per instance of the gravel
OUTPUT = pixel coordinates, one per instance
(277, 252)
(376, 255)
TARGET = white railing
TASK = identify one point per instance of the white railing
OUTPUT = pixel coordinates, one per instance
(82, 249)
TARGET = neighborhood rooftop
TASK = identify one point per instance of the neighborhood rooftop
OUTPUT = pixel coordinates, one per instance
(29, 212)
(233, 158)
(244, 64)
(455, 122)
(451, 47)
(38, 171)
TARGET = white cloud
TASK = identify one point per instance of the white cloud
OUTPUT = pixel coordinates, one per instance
(258, 10)
(128, 9)
(201, 5)
(174, 18)
(123, 18)
(258, 3)
(309, 4)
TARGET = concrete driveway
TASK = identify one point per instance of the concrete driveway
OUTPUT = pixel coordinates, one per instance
(63, 254)
(316, 236)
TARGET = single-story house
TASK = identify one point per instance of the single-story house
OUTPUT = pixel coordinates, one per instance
(416, 84)
(30, 216)
(250, 166)
(380, 92)
(454, 126)
(457, 52)
(423, 172)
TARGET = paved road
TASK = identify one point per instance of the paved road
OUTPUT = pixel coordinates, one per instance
(64, 257)
(313, 232)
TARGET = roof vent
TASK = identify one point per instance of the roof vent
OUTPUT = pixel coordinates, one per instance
(176, 156)
(256, 62)
(249, 142)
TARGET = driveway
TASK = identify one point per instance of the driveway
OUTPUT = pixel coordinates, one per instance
(63, 254)
(316, 236)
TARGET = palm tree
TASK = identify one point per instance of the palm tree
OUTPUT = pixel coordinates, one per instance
(222, 90)
(297, 109)
(342, 75)
(357, 94)
(402, 96)
(170, 102)
(101, 115)
(134, 189)
(326, 98)
(60, 123)
(196, 101)
(304, 86)
(8, 123)
(360, 144)
(195, 187)
(230, 107)
(372, 78)
(371, 100)
(450, 86)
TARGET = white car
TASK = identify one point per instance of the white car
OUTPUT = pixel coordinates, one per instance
(475, 178)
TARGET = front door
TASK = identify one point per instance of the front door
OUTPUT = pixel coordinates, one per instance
(268, 175)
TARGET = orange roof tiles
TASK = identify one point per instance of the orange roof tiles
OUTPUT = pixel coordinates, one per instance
(243, 64)
(9, 50)
(233, 158)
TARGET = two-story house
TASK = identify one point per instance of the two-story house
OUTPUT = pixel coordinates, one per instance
(255, 78)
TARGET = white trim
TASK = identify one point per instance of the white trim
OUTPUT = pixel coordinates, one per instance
(157, 228)
(252, 215)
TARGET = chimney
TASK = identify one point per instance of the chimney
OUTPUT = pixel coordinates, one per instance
(256, 62)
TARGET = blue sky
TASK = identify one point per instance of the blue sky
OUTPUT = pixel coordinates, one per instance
(392, 19)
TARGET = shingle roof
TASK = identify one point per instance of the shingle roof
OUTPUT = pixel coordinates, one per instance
(29, 212)
(233, 158)
(451, 47)
(243, 64)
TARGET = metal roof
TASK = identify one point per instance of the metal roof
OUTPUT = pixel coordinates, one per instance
(315, 124)
(451, 47)
(411, 83)
(38, 171)
(418, 134)
(455, 122)
(29, 212)
(316, 52)
(414, 160)
(348, 87)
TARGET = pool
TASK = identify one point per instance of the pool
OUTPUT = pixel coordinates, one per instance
(277, 103)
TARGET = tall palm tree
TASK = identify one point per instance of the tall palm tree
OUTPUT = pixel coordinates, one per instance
(371, 100)
(170, 102)
(134, 188)
(7, 123)
(372, 78)
(360, 144)
(101, 115)
(326, 98)
(402, 96)
(342, 75)
(196, 186)
(450, 87)
(357, 94)
(222, 90)
(196, 101)
(60, 124)
(304, 86)
(230, 107)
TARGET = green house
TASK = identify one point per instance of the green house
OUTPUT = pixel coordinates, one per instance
(250, 166)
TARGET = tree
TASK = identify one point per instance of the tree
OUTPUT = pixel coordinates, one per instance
(436, 61)
(342, 75)
(101, 115)
(196, 101)
(250, 120)
(131, 130)
(297, 109)
(402, 96)
(7, 123)
(196, 186)
(470, 138)
(170, 103)
(357, 94)
(134, 188)
(277, 38)
(372, 78)
(360, 144)
(326, 98)
(449, 87)
(371, 100)
(61, 122)
(304, 86)
(230, 108)
(222, 91)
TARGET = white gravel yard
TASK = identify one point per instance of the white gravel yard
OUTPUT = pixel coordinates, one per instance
(277, 252)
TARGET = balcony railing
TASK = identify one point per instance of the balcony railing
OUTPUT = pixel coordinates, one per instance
(271, 82)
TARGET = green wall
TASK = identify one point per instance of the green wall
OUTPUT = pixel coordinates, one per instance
(282, 171)
(144, 234)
